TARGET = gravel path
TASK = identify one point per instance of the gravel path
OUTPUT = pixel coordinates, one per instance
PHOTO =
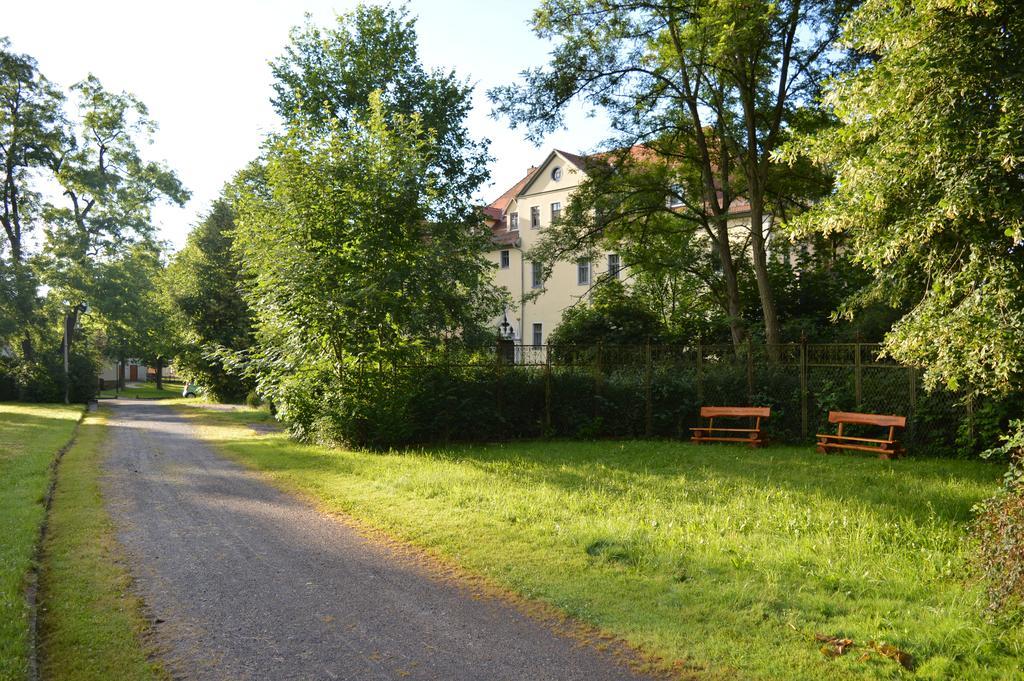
(246, 582)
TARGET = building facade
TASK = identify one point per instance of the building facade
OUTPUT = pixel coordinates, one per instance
(517, 219)
(519, 216)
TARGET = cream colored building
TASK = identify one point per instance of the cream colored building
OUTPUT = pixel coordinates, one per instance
(517, 219)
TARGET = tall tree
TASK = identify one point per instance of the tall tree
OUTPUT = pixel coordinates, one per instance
(326, 75)
(108, 189)
(355, 250)
(929, 159)
(357, 231)
(32, 136)
(202, 287)
(125, 308)
(711, 87)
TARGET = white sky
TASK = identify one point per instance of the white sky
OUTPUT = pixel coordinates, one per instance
(201, 68)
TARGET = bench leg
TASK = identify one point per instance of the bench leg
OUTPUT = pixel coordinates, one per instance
(821, 450)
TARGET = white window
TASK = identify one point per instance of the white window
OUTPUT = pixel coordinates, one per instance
(513, 222)
(614, 265)
(556, 211)
(504, 260)
(538, 275)
(534, 217)
(583, 272)
(538, 334)
(675, 196)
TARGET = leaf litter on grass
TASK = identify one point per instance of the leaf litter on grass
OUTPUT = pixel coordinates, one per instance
(834, 646)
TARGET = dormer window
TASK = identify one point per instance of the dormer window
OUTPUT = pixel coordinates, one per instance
(556, 173)
(513, 222)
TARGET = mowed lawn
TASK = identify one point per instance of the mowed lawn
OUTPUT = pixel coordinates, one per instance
(722, 561)
(144, 391)
(30, 436)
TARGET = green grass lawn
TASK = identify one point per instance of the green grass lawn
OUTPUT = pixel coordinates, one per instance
(145, 392)
(721, 560)
(30, 436)
(91, 628)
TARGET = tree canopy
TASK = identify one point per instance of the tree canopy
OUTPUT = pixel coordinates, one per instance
(356, 232)
(710, 88)
(77, 197)
(929, 161)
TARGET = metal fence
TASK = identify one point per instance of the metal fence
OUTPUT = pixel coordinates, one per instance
(657, 390)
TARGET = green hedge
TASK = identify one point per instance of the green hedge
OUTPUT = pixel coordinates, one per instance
(478, 403)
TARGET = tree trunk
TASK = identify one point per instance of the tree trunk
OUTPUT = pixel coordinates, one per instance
(120, 374)
(159, 373)
(773, 335)
(732, 288)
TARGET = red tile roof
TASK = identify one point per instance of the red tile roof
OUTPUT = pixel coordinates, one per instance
(495, 212)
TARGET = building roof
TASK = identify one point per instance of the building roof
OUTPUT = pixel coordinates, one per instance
(501, 203)
(495, 211)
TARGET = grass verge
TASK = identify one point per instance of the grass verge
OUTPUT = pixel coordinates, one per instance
(91, 627)
(30, 437)
(144, 392)
(720, 560)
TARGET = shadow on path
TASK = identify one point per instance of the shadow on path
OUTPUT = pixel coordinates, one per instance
(247, 582)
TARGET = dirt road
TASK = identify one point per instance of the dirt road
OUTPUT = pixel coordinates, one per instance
(246, 582)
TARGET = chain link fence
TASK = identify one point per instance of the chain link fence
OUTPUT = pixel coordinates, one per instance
(513, 391)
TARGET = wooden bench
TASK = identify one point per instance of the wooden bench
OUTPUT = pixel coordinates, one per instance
(710, 432)
(887, 448)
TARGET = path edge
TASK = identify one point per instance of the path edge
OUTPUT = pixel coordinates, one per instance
(32, 588)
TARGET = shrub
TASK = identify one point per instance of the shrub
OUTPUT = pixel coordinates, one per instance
(999, 527)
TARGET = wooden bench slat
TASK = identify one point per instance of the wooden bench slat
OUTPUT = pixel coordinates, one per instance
(867, 419)
(727, 439)
(855, 439)
(730, 430)
(737, 412)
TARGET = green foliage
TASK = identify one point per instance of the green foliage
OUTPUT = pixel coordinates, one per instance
(710, 88)
(326, 76)
(357, 235)
(31, 140)
(202, 289)
(928, 158)
(612, 317)
(999, 528)
(97, 246)
(358, 254)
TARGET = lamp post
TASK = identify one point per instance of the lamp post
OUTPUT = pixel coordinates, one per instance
(506, 340)
(70, 322)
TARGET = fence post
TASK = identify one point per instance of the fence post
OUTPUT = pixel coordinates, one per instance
(970, 417)
(858, 376)
(498, 401)
(547, 391)
(912, 393)
(700, 374)
(804, 416)
(649, 413)
(750, 372)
